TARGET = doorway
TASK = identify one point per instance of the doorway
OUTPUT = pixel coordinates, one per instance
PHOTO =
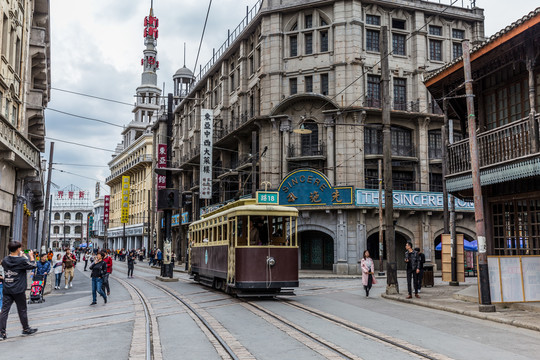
(316, 251)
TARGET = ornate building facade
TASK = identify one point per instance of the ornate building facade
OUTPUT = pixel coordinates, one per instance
(295, 93)
(133, 157)
(24, 93)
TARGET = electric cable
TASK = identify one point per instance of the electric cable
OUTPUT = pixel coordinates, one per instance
(202, 36)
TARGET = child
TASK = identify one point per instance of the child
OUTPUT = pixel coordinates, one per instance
(58, 271)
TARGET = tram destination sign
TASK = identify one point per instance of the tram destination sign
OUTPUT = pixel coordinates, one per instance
(268, 197)
(409, 200)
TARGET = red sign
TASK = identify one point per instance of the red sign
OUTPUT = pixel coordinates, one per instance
(161, 163)
(70, 194)
(106, 208)
(81, 194)
(60, 194)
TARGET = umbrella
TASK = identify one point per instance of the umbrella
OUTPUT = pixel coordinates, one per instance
(467, 246)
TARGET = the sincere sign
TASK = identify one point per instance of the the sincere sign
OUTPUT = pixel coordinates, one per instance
(125, 200)
(409, 200)
(311, 188)
(207, 129)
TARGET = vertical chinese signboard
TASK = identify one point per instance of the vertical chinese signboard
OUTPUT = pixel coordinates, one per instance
(205, 185)
(125, 200)
(161, 163)
(106, 208)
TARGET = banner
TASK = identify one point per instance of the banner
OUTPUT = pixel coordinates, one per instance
(125, 200)
(106, 209)
(409, 200)
(162, 163)
(205, 176)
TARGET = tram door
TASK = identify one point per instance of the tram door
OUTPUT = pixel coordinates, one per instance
(317, 251)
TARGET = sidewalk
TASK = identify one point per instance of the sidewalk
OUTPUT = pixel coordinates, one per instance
(461, 299)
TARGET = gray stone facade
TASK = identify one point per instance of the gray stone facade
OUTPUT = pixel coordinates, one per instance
(316, 65)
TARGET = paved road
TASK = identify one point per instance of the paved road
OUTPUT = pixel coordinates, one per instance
(329, 318)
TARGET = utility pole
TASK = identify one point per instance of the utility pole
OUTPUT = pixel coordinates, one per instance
(49, 228)
(254, 157)
(392, 286)
(46, 215)
(381, 222)
(483, 274)
(167, 267)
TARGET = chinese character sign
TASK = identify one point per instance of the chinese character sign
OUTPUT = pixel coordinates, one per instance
(125, 200)
(207, 129)
(106, 209)
(161, 163)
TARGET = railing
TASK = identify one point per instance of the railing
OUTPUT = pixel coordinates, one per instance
(16, 142)
(503, 144)
(232, 36)
(305, 151)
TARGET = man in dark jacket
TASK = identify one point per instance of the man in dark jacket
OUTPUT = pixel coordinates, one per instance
(43, 268)
(413, 269)
(99, 269)
(15, 267)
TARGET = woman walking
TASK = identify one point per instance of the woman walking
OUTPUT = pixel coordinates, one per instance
(57, 271)
(368, 277)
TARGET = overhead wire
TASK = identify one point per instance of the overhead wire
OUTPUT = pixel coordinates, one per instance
(202, 36)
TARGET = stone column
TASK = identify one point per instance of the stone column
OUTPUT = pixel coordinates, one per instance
(423, 153)
(285, 129)
(341, 267)
(330, 145)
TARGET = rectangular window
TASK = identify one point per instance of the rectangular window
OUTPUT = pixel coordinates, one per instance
(293, 40)
(14, 116)
(457, 50)
(373, 140)
(309, 21)
(324, 41)
(8, 106)
(458, 34)
(293, 86)
(372, 40)
(400, 94)
(324, 84)
(435, 30)
(232, 82)
(5, 26)
(398, 24)
(251, 65)
(308, 39)
(18, 56)
(403, 180)
(435, 50)
(435, 182)
(398, 44)
(309, 83)
(373, 20)
(373, 91)
(435, 145)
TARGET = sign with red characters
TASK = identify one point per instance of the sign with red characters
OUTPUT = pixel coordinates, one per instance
(162, 163)
(106, 209)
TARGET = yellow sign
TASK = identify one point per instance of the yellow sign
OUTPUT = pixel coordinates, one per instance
(125, 200)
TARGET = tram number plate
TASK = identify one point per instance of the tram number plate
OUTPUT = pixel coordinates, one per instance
(267, 197)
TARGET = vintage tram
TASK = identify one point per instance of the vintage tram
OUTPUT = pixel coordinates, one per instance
(246, 249)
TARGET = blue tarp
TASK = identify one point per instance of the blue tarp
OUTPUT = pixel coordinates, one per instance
(467, 246)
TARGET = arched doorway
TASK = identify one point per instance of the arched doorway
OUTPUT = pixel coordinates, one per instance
(316, 251)
(373, 248)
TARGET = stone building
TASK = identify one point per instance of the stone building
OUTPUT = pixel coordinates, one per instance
(295, 93)
(69, 218)
(133, 156)
(24, 93)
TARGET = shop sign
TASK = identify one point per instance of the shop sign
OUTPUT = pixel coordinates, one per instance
(185, 218)
(205, 176)
(409, 200)
(311, 188)
(267, 197)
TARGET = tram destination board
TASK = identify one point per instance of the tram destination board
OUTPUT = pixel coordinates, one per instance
(268, 197)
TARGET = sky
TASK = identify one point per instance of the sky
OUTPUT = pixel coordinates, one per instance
(96, 50)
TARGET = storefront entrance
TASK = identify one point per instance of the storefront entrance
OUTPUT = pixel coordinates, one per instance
(317, 251)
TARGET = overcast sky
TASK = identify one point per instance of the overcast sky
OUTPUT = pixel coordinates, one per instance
(96, 49)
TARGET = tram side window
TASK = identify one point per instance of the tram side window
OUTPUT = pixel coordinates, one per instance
(278, 236)
(240, 223)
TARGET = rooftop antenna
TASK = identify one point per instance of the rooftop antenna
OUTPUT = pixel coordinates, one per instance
(184, 54)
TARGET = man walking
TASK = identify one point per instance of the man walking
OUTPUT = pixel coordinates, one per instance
(131, 263)
(99, 268)
(68, 263)
(15, 266)
(107, 260)
(413, 269)
(421, 260)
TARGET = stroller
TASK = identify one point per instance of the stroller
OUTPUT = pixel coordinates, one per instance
(37, 288)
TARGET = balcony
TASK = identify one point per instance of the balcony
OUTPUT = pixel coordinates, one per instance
(505, 145)
(130, 166)
(311, 152)
(17, 149)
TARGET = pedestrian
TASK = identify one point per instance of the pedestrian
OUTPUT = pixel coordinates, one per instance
(57, 271)
(107, 260)
(131, 263)
(422, 259)
(159, 257)
(15, 266)
(69, 263)
(43, 267)
(99, 269)
(413, 269)
(368, 272)
(50, 256)
(151, 256)
(1, 285)
(86, 257)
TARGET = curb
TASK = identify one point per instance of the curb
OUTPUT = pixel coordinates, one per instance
(482, 316)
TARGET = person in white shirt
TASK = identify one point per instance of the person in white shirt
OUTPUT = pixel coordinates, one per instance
(58, 271)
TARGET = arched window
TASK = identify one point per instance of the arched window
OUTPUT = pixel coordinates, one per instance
(56, 229)
(56, 216)
(310, 142)
(67, 216)
(78, 229)
(67, 230)
(78, 216)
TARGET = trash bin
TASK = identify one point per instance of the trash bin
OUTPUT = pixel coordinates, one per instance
(427, 279)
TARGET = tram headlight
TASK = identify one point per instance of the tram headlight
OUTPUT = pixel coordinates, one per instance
(270, 261)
